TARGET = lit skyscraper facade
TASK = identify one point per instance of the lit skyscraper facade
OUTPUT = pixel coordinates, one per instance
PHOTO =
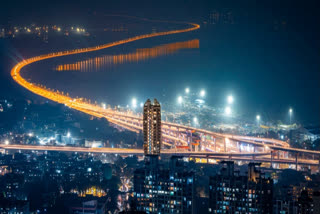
(159, 189)
(152, 127)
(230, 192)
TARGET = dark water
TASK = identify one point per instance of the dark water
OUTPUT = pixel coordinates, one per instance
(266, 70)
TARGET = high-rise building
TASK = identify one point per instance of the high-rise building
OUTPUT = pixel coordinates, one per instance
(230, 192)
(152, 127)
(159, 189)
(305, 203)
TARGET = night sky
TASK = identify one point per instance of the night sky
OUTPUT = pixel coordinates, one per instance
(268, 58)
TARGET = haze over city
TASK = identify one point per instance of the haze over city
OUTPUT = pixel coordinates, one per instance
(135, 93)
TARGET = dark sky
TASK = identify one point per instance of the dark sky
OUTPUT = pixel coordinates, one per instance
(267, 68)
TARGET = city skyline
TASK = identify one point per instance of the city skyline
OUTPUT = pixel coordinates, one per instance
(233, 125)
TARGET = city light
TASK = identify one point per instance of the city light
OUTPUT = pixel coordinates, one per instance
(6, 142)
(68, 134)
(230, 99)
(227, 141)
(187, 90)
(103, 105)
(195, 120)
(30, 134)
(202, 93)
(258, 117)
(141, 105)
(290, 114)
(227, 110)
(180, 100)
(134, 102)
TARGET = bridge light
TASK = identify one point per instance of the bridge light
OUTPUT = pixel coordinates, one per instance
(228, 110)
(187, 90)
(227, 141)
(202, 93)
(180, 100)
(230, 99)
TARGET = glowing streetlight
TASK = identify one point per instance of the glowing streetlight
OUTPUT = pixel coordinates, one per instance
(187, 90)
(6, 142)
(230, 99)
(195, 120)
(202, 93)
(258, 120)
(228, 110)
(134, 102)
(258, 117)
(180, 100)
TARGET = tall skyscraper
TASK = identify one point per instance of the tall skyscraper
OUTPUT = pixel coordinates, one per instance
(230, 192)
(152, 127)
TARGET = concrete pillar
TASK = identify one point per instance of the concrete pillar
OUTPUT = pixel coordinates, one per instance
(296, 161)
(271, 159)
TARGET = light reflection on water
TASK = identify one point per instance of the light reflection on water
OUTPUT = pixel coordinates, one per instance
(95, 64)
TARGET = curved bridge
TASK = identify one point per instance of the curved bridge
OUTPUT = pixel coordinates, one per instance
(217, 145)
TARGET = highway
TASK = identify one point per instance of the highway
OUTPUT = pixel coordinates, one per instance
(239, 156)
(133, 122)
